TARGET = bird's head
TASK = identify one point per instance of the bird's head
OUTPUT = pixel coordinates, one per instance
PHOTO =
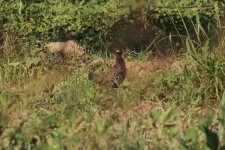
(119, 53)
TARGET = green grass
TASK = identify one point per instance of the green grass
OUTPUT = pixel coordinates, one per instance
(166, 102)
(155, 108)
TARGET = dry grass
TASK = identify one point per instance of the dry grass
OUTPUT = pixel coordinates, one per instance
(140, 110)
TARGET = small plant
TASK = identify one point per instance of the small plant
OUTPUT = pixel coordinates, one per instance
(45, 104)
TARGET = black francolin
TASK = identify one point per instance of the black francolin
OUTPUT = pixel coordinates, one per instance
(114, 79)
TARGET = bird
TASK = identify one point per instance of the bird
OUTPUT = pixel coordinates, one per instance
(113, 79)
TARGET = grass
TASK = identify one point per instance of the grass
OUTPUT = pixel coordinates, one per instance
(174, 102)
(159, 106)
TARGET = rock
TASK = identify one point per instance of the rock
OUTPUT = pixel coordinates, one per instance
(67, 47)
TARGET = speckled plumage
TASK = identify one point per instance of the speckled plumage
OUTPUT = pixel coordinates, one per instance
(115, 79)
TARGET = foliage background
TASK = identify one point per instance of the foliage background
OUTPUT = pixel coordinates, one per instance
(105, 24)
(46, 105)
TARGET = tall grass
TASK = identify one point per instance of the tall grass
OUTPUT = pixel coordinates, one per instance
(57, 107)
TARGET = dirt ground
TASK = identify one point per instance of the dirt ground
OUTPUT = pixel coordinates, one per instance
(46, 81)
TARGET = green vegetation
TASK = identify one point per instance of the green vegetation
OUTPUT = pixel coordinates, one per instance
(173, 96)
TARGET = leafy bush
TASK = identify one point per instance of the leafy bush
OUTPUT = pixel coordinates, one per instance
(97, 24)
(57, 107)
